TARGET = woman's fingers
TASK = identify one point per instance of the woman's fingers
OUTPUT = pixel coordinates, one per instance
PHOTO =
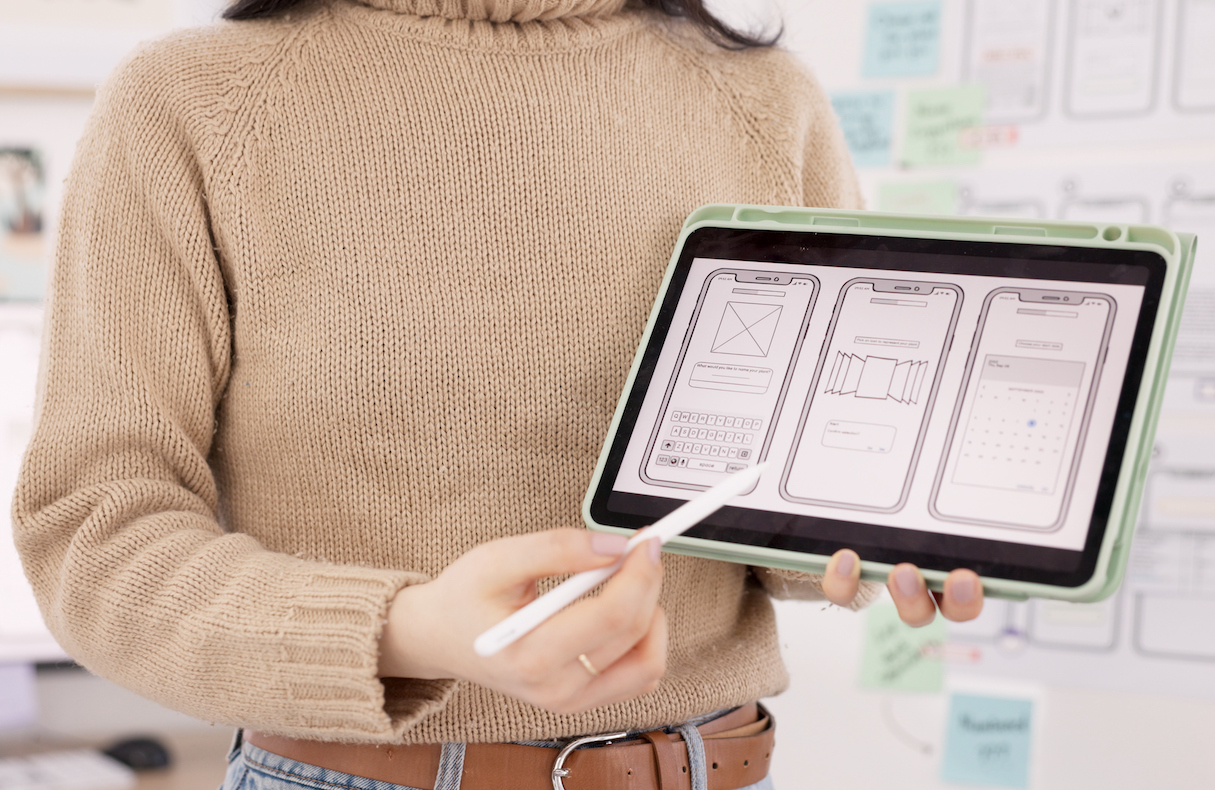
(610, 624)
(961, 600)
(621, 632)
(431, 627)
(503, 565)
(842, 577)
(635, 673)
(963, 596)
(910, 594)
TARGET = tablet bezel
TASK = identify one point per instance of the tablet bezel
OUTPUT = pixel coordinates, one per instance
(820, 537)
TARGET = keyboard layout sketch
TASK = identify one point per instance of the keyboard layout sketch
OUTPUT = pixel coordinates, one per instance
(876, 378)
(746, 329)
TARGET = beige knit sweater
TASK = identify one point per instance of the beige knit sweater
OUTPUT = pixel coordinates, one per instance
(340, 296)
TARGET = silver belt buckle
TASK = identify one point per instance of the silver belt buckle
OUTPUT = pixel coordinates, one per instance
(559, 772)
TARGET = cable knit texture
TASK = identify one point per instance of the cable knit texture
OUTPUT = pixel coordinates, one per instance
(339, 296)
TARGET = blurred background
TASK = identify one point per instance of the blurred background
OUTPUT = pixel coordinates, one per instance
(1099, 110)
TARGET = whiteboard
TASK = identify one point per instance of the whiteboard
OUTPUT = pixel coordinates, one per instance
(74, 44)
(23, 636)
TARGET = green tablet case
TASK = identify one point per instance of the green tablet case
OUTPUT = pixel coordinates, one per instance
(1177, 250)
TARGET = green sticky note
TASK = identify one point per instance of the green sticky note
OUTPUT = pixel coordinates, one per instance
(938, 122)
(893, 658)
(987, 741)
(933, 197)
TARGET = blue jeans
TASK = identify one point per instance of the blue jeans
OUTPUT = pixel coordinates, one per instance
(251, 768)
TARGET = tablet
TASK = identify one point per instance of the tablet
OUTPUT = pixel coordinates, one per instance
(943, 391)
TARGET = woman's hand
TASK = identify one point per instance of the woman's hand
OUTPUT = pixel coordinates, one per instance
(962, 599)
(621, 631)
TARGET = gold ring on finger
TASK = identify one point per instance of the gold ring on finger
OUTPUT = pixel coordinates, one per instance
(586, 662)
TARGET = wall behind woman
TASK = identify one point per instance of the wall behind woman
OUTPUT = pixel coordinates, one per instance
(1095, 109)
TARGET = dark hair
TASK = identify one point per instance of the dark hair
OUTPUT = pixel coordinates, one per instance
(693, 10)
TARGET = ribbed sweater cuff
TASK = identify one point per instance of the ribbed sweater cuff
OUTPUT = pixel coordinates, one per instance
(328, 657)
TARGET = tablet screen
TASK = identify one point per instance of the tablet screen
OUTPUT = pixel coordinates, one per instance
(953, 404)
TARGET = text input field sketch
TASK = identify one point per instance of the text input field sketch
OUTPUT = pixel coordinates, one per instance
(1112, 58)
(1164, 626)
(1127, 210)
(1180, 500)
(1031, 376)
(859, 436)
(862, 426)
(1014, 208)
(1194, 78)
(731, 376)
(1008, 52)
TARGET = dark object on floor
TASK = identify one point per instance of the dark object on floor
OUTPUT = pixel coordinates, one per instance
(140, 754)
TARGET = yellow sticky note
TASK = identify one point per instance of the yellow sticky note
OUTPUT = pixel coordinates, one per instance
(894, 657)
(940, 123)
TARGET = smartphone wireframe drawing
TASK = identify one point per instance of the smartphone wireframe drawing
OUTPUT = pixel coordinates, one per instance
(1008, 51)
(731, 376)
(1114, 55)
(1014, 440)
(863, 424)
(1194, 64)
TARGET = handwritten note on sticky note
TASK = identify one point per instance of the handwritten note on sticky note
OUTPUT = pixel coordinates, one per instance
(867, 118)
(987, 741)
(931, 197)
(902, 39)
(940, 123)
(893, 658)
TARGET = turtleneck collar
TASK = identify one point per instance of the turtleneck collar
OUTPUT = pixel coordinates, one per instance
(500, 10)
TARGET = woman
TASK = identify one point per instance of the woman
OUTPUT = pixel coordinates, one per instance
(344, 297)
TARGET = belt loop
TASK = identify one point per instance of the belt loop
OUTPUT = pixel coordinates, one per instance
(666, 760)
(696, 756)
(451, 767)
(237, 739)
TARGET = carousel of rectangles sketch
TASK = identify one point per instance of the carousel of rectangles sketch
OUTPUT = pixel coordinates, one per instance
(877, 378)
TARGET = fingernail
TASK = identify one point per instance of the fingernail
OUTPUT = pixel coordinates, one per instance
(845, 563)
(908, 582)
(964, 590)
(654, 546)
(607, 543)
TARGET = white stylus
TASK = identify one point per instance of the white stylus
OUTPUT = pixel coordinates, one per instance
(674, 523)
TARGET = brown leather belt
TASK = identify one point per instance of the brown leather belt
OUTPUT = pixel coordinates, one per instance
(738, 750)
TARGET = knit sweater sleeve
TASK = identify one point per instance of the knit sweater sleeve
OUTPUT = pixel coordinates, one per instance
(115, 514)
